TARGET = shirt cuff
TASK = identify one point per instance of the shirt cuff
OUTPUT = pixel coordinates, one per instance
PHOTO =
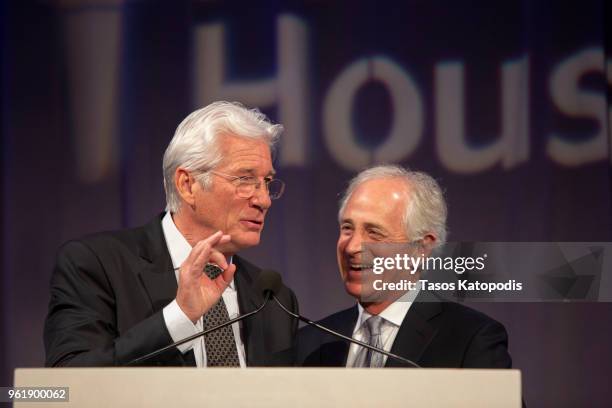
(179, 326)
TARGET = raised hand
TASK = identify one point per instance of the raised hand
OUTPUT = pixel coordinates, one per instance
(197, 293)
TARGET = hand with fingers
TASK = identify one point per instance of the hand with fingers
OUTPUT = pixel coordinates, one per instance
(197, 293)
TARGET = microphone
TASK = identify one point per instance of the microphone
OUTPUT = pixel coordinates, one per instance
(336, 334)
(268, 283)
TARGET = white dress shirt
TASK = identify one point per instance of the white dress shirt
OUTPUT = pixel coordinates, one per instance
(392, 316)
(178, 324)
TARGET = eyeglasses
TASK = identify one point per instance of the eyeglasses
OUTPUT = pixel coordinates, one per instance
(246, 185)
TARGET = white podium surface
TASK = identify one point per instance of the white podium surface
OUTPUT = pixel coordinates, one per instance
(276, 387)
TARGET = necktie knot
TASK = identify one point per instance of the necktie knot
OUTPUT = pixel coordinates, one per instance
(374, 325)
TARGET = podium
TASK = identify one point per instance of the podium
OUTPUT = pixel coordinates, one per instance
(275, 387)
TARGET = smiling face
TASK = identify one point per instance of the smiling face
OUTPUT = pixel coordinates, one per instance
(220, 208)
(373, 213)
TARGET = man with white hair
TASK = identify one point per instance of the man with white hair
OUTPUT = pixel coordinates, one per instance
(388, 205)
(120, 295)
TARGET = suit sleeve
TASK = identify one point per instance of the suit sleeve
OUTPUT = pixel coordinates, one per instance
(81, 326)
(281, 333)
(295, 308)
(488, 348)
(308, 347)
(289, 356)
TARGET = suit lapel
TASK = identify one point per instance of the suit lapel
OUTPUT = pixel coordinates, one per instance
(157, 274)
(416, 332)
(249, 300)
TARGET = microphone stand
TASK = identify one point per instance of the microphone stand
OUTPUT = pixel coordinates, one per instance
(349, 339)
(202, 333)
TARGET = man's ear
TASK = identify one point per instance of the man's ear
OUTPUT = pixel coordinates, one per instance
(428, 243)
(184, 183)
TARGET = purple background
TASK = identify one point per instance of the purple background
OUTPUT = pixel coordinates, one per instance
(92, 92)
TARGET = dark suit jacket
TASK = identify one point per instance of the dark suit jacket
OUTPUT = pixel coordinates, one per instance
(107, 295)
(433, 334)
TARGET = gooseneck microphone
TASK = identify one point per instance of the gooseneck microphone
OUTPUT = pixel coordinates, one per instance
(268, 284)
(339, 335)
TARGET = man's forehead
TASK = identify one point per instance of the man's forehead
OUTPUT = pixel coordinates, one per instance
(382, 194)
(394, 186)
(246, 145)
(252, 171)
(376, 202)
(245, 154)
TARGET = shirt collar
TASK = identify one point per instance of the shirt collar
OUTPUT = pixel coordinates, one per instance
(178, 246)
(394, 313)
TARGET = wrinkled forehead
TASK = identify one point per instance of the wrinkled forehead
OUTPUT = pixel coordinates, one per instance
(377, 203)
(237, 151)
(383, 193)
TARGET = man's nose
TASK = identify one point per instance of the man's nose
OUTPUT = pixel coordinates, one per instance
(261, 198)
(354, 245)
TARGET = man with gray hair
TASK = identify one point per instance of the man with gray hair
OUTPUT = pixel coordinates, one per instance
(387, 206)
(120, 295)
